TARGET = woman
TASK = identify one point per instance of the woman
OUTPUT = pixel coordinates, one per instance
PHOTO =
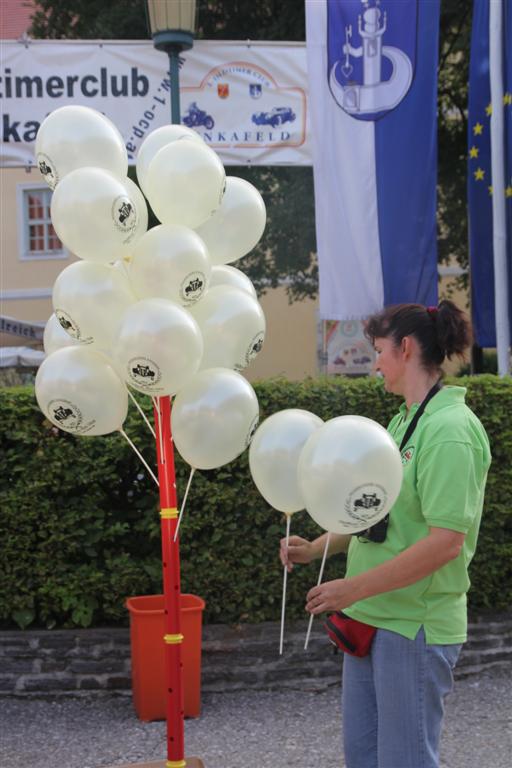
(412, 586)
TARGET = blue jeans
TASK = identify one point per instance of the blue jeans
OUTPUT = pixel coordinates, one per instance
(393, 702)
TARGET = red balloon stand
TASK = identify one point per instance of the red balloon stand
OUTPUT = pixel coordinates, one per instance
(172, 592)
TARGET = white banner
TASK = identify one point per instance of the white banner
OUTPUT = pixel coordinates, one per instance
(247, 100)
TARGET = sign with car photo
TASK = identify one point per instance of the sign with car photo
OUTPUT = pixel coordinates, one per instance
(346, 349)
(247, 100)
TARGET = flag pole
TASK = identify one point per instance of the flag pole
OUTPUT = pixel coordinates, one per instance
(498, 187)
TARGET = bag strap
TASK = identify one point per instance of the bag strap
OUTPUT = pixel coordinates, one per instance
(412, 426)
(377, 532)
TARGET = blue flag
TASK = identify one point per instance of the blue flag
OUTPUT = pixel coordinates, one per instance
(480, 186)
(373, 85)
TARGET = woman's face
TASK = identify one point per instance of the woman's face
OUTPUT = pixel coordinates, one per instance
(389, 363)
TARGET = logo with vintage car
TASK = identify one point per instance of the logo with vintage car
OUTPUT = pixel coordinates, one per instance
(144, 372)
(68, 416)
(369, 498)
(47, 170)
(124, 216)
(276, 116)
(72, 328)
(193, 287)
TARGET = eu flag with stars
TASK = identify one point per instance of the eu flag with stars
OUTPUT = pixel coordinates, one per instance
(480, 184)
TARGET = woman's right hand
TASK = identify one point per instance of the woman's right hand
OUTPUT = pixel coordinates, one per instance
(298, 551)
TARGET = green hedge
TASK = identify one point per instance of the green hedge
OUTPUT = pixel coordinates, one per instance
(79, 523)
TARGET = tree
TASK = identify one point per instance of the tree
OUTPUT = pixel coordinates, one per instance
(288, 249)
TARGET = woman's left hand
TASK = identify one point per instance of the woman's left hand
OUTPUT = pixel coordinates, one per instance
(332, 596)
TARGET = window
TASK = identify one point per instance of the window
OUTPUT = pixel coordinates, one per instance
(38, 239)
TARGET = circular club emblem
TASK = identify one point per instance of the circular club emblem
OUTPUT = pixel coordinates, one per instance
(193, 287)
(252, 430)
(365, 501)
(69, 325)
(254, 347)
(48, 170)
(144, 372)
(124, 215)
(68, 416)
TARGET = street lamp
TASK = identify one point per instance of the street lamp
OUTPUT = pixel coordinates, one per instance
(172, 24)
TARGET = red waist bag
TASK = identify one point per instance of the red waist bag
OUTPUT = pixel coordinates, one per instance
(350, 635)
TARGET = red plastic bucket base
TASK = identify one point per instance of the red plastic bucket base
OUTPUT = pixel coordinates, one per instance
(192, 762)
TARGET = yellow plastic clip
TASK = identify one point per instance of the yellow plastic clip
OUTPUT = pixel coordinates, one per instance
(173, 639)
(176, 764)
(170, 513)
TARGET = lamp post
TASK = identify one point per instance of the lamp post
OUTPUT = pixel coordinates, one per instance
(172, 24)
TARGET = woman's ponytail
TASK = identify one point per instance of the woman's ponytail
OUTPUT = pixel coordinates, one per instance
(453, 329)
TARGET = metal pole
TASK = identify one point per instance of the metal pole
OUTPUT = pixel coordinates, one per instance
(170, 548)
(501, 298)
(172, 587)
(174, 71)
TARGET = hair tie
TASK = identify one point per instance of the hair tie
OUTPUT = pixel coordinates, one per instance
(432, 312)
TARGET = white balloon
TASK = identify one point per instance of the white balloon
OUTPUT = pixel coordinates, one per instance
(170, 262)
(158, 346)
(214, 418)
(238, 224)
(73, 137)
(185, 183)
(89, 300)
(350, 473)
(79, 391)
(274, 457)
(97, 216)
(223, 274)
(233, 327)
(155, 141)
(55, 337)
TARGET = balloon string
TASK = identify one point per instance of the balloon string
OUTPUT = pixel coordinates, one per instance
(320, 575)
(142, 413)
(141, 457)
(182, 509)
(156, 404)
(285, 574)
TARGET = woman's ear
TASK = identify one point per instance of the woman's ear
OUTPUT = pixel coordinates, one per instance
(409, 347)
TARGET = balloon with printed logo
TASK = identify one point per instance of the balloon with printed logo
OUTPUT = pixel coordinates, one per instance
(158, 346)
(223, 274)
(185, 183)
(238, 224)
(170, 262)
(74, 137)
(274, 457)
(157, 139)
(97, 216)
(79, 391)
(350, 474)
(89, 300)
(55, 336)
(214, 418)
(233, 327)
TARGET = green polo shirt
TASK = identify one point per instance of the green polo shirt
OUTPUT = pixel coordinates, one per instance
(445, 465)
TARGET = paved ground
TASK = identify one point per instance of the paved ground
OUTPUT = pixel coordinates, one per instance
(250, 729)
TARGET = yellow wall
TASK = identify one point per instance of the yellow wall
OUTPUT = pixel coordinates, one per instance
(17, 275)
(290, 347)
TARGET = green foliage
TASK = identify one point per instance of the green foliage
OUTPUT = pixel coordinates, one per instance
(80, 530)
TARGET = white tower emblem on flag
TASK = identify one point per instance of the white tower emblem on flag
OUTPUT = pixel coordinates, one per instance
(374, 95)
